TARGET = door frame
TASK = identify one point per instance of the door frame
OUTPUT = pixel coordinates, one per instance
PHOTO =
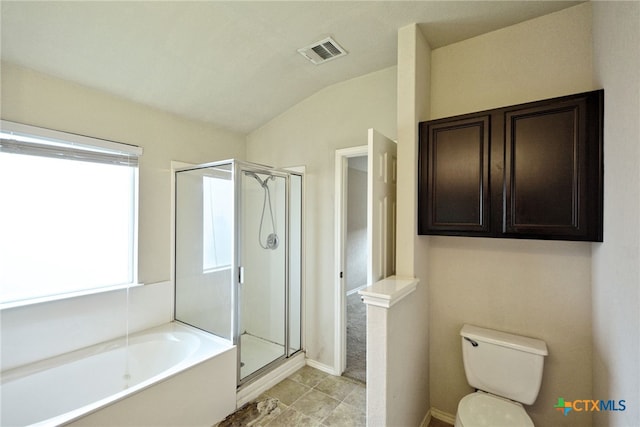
(239, 170)
(341, 170)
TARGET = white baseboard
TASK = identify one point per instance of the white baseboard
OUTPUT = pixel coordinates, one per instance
(442, 416)
(255, 389)
(322, 367)
(426, 420)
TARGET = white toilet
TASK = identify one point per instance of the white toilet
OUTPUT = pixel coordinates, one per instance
(506, 371)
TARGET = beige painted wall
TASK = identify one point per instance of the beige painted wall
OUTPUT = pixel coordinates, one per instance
(36, 99)
(308, 134)
(535, 288)
(616, 261)
(409, 365)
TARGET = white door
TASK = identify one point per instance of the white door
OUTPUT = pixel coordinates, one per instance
(381, 223)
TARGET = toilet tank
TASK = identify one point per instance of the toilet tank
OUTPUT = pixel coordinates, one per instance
(503, 364)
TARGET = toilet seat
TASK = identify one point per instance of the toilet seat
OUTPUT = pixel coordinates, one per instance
(482, 409)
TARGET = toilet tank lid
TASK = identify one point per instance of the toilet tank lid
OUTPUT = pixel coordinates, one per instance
(517, 342)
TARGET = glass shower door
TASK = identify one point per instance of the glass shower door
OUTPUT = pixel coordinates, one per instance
(204, 248)
(262, 252)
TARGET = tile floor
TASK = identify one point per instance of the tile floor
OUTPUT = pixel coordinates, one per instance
(308, 398)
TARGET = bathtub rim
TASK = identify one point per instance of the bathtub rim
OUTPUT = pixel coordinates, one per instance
(210, 347)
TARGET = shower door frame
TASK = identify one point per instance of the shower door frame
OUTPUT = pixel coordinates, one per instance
(238, 168)
(179, 167)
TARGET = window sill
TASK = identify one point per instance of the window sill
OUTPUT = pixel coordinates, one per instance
(66, 296)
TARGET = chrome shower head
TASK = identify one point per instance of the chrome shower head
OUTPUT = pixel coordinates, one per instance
(263, 183)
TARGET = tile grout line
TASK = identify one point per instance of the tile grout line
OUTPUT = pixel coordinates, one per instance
(340, 401)
(308, 389)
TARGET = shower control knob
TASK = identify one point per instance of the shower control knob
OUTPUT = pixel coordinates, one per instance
(273, 241)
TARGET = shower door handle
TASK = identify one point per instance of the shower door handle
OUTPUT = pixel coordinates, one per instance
(240, 275)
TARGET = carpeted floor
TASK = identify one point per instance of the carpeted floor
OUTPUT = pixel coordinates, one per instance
(356, 338)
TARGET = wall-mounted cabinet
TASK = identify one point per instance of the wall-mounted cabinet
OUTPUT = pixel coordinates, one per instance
(454, 175)
(527, 171)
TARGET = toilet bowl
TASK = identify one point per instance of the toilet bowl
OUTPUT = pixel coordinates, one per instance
(506, 371)
(482, 409)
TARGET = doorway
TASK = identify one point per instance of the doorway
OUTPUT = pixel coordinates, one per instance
(379, 244)
(355, 273)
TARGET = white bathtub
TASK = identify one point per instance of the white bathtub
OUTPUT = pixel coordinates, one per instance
(168, 375)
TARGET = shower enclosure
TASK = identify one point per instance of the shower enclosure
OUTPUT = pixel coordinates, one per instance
(238, 266)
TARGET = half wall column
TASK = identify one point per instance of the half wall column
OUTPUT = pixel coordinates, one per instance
(391, 308)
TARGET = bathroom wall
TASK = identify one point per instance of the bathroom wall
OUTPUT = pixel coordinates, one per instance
(409, 367)
(39, 100)
(616, 261)
(36, 99)
(535, 288)
(308, 134)
(36, 332)
(263, 291)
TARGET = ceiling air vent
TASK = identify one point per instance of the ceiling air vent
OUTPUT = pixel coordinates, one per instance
(322, 51)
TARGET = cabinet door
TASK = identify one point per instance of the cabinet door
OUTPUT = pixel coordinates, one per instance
(454, 176)
(552, 169)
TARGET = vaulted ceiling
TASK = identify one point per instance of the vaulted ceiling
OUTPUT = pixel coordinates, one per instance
(231, 63)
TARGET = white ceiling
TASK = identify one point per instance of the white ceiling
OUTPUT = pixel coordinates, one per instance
(231, 63)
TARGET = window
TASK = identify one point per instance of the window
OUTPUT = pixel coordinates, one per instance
(217, 221)
(68, 221)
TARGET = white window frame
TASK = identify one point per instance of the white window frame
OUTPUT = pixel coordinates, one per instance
(66, 143)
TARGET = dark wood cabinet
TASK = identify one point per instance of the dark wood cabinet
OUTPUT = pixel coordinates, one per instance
(456, 176)
(527, 171)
